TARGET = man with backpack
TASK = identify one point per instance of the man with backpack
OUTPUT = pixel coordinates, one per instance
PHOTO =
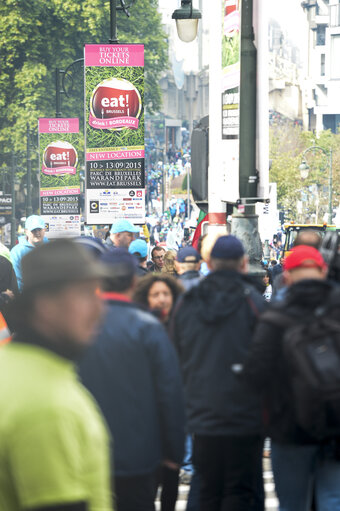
(295, 363)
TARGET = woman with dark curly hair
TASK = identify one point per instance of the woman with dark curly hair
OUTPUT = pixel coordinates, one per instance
(159, 293)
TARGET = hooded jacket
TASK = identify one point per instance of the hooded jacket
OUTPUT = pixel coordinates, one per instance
(212, 331)
(266, 370)
(17, 253)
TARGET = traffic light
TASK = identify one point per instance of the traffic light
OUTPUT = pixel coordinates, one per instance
(200, 163)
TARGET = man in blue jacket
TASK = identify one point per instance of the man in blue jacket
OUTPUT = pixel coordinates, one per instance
(213, 328)
(34, 236)
(133, 372)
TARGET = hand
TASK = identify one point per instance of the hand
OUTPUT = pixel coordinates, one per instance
(171, 464)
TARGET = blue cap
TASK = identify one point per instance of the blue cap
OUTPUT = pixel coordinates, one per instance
(119, 261)
(123, 226)
(188, 255)
(140, 247)
(227, 247)
(34, 222)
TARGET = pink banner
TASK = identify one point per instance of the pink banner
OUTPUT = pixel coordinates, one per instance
(114, 55)
(232, 22)
(58, 125)
(113, 122)
(58, 171)
(114, 155)
(63, 191)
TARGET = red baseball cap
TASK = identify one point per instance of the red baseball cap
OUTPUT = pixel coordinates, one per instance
(304, 256)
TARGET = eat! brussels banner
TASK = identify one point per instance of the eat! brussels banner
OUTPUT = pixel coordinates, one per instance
(59, 147)
(114, 133)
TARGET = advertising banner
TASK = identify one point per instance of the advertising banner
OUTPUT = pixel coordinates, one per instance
(230, 68)
(5, 207)
(114, 133)
(59, 148)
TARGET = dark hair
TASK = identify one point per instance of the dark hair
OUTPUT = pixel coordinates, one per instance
(139, 257)
(145, 284)
(270, 276)
(157, 248)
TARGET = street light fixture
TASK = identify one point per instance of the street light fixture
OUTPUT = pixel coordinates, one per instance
(187, 21)
(304, 171)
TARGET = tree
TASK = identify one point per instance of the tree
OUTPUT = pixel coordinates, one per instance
(287, 145)
(38, 35)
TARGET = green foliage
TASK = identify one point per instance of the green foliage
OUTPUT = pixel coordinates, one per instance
(287, 145)
(36, 36)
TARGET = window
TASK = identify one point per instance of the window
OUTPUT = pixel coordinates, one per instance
(335, 16)
(335, 61)
(321, 35)
(322, 67)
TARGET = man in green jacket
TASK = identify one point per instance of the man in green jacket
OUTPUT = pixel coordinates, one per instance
(54, 447)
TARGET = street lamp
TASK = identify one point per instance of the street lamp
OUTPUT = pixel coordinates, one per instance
(186, 21)
(304, 171)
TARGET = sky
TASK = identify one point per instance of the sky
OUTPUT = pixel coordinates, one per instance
(290, 15)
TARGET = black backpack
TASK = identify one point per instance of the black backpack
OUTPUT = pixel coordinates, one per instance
(311, 349)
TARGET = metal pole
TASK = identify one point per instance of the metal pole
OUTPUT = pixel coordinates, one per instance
(247, 162)
(188, 189)
(29, 209)
(330, 191)
(13, 219)
(163, 191)
(57, 93)
(113, 22)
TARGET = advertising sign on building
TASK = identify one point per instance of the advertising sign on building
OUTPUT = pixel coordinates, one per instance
(114, 133)
(59, 148)
(230, 69)
(5, 207)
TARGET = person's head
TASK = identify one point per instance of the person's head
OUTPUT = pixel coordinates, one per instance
(267, 279)
(169, 262)
(273, 262)
(157, 256)
(228, 254)
(158, 291)
(308, 237)
(139, 249)
(208, 241)
(60, 298)
(123, 233)
(188, 259)
(121, 266)
(304, 262)
(35, 230)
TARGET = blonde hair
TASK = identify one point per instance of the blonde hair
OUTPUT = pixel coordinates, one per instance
(169, 262)
(208, 244)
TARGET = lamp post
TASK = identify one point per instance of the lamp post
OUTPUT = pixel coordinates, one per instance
(304, 171)
(186, 21)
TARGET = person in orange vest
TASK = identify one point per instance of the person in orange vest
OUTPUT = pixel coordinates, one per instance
(5, 334)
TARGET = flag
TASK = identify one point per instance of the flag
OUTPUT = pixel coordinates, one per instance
(203, 217)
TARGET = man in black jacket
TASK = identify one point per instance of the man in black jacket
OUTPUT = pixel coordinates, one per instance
(300, 462)
(212, 329)
(132, 370)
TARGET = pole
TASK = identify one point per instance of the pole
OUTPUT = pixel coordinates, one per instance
(188, 189)
(245, 225)
(163, 190)
(57, 93)
(247, 162)
(13, 219)
(330, 191)
(113, 22)
(29, 210)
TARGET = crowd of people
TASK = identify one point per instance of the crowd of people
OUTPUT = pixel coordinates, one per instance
(122, 374)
